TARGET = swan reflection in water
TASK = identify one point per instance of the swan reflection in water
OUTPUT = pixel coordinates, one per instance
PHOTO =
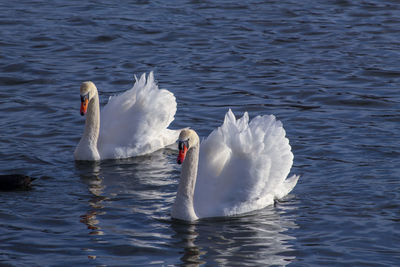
(127, 199)
(258, 238)
(89, 173)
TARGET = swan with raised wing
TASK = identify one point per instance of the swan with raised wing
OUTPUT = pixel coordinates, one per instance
(238, 168)
(133, 123)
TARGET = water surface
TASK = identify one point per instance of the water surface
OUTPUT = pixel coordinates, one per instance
(329, 70)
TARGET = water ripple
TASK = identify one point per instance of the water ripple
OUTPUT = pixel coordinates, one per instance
(328, 71)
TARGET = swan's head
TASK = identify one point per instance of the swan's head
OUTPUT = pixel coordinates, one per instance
(87, 91)
(188, 138)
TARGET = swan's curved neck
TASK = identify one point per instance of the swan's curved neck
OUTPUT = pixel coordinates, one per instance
(92, 125)
(87, 147)
(183, 207)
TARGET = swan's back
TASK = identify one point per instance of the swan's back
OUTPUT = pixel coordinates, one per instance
(135, 122)
(243, 166)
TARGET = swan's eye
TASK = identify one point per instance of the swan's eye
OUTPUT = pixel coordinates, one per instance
(182, 144)
(84, 97)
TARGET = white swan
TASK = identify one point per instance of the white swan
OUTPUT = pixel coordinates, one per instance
(240, 167)
(133, 123)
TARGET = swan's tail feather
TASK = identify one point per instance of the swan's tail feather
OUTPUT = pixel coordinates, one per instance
(287, 187)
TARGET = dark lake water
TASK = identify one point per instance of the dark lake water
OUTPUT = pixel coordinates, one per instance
(329, 70)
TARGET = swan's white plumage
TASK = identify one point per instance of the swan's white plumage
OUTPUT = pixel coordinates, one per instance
(243, 167)
(135, 122)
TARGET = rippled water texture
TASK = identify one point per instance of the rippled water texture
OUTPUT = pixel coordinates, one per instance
(329, 70)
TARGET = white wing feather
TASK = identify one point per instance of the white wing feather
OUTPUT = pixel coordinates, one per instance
(243, 166)
(135, 122)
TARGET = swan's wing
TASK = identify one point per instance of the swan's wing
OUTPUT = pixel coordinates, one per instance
(135, 122)
(243, 166)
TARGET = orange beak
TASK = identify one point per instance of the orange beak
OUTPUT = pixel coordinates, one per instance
(182, 155)
(84, 106)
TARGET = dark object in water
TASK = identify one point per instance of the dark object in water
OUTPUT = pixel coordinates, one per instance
(10, 182)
